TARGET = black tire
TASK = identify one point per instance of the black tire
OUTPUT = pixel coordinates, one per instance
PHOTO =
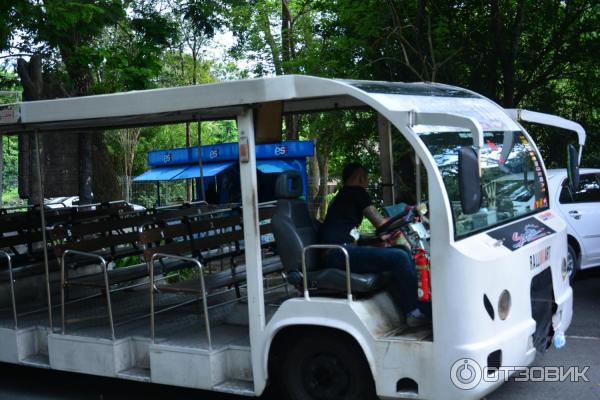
(325, 366)
(573, 261)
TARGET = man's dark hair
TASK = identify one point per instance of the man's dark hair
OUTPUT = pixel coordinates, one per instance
(350, 169)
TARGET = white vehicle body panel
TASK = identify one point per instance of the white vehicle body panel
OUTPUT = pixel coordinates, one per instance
(462, 270)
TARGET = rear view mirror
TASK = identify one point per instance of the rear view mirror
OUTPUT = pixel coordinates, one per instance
(573, 168)
(469, 182)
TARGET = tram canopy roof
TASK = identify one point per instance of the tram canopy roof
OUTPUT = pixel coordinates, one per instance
(172, 173)
(226, 100)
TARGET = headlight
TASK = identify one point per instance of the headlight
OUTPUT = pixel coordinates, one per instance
(564, 269)
(504, 304)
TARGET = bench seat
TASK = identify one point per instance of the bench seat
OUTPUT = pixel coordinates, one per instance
(221, 279)
(31, 269)
(127, 274)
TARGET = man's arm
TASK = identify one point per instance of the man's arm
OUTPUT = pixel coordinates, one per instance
(373, 215)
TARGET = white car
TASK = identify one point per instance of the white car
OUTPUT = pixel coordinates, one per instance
(581, 211)
(61, 202)
(73, 201)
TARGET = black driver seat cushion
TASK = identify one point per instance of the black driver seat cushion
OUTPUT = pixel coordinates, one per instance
(294, 229)
(334, 279)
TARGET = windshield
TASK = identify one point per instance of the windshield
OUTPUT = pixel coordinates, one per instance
(512, 179)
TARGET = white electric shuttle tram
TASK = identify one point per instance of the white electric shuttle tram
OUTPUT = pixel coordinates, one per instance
(498, 279)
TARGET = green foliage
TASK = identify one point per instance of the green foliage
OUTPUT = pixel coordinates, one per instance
(178, 70)
(203, 16)
(10, 150)
(9, 171)
(542, 55)
(127, 261)
(133, 50)
(10, 197)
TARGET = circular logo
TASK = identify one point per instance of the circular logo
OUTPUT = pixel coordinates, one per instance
(465, 374)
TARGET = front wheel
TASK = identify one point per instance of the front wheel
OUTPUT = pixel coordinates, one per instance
(572, 263)
(326, 366)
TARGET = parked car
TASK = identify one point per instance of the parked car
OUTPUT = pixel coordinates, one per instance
(61, 202)
(73, 201)
(581, 211)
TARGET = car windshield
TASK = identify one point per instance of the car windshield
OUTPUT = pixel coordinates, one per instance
(512, 178)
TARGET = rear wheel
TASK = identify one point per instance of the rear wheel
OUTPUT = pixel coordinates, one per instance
(572, 263)
(326, 366)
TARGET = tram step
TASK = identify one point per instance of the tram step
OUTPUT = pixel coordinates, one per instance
(407, 333)
(37, 360)
(236, 386)
(135, 374)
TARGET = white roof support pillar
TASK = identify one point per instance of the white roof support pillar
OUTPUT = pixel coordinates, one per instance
(386, 159)
(535, 117)
(256, 301)
(40, 200)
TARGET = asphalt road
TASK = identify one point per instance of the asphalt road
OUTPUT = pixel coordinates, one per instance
(582, 349)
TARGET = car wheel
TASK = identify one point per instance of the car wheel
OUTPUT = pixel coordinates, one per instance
(325, 366)
(572, 263)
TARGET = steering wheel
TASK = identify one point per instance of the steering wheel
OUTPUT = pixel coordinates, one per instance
(392, 224)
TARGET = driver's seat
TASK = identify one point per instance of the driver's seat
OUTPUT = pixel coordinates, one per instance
(294, 229)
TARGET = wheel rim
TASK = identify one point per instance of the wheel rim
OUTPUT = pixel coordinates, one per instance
(325, 377)
(570, 263)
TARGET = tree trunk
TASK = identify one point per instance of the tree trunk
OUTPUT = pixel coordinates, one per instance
(265, 26)
(30, 74)
(105, 185)
(491, 81)
(188, 143)
(287, 52)
(85, 168)
(59, 151)
(314, 184)
(510, 58)
(60, 162)
(322, 195)
(319, 177)
(286, 34)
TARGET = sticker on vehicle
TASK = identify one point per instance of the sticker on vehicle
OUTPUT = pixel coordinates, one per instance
(521, 233)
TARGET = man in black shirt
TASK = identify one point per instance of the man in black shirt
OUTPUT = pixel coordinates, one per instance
(344, 215)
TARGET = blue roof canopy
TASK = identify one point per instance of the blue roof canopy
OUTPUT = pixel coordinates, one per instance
(182, 172)
(208, 170)
(160, 174)
(273, 166)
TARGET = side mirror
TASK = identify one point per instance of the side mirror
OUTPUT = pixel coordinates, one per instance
(469, 182)
(573, 168)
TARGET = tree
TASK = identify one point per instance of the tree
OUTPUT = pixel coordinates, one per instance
(199, 21)
(127, 140)
(52, 32)
(79, 48)
(8, 94)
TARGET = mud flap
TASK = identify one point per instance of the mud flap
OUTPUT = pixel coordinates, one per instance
(542, 309)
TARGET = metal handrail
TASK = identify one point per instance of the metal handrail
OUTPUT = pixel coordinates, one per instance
(156, 256)
(326, 247)
(103, 263)
(12, 285)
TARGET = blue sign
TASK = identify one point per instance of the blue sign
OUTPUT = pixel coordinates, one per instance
(230, 152)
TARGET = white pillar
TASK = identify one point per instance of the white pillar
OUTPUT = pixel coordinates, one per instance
(40, 200)
(256, 301)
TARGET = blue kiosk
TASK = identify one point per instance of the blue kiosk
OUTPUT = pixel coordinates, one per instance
(220, 169)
